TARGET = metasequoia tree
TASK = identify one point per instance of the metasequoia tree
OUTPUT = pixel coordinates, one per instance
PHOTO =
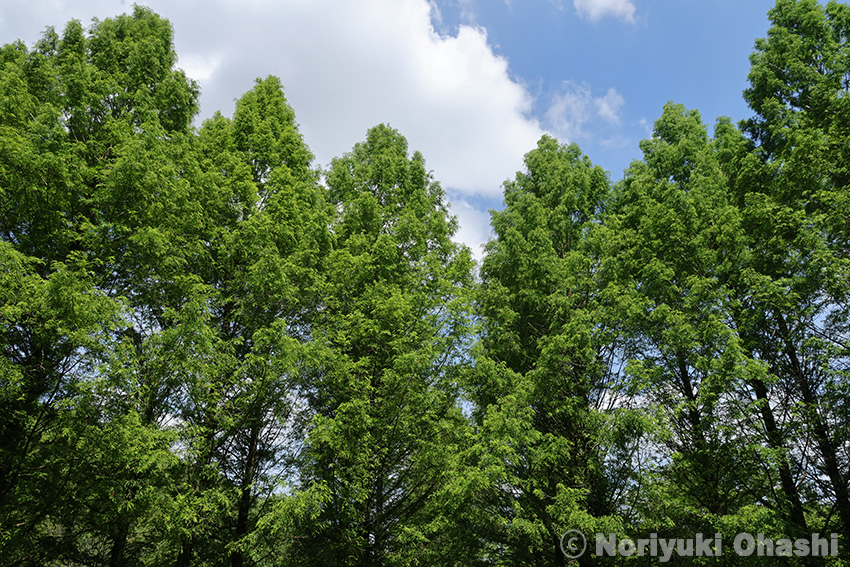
(213, 353)
(84, 260)
(387, 427)
(798, 211)
(545, 359)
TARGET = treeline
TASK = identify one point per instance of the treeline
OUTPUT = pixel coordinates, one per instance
(215, 353)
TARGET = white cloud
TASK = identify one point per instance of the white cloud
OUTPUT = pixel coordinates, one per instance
(608, 107)
(575, 107)
(569, 111)
(201, 67)
(474, 226)
(595, 10)
(348, 66)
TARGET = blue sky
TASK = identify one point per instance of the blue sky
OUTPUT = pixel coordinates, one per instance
(472, 84)
(693, 52)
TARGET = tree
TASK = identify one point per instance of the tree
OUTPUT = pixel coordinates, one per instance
(159, 296)
(671, 249)
(255, 321)
(387, 426)
(73, 119)
(798, 87)
(545, 356)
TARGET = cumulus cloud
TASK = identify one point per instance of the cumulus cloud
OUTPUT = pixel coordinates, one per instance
(348, 66)
(576, 108)
(595, 10)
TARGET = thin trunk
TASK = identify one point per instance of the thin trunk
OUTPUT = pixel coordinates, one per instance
(378, 520)
(237, 559)
(819, 430)
(117, 555)
(184, 558)
(560, 558)
(774, 441)
(693, 414)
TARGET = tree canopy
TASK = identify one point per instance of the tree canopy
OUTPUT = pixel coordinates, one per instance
(215, 352)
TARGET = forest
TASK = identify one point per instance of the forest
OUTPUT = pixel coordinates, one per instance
(216, 352)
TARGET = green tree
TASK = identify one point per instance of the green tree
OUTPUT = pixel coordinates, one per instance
(688, 277)
(75, 459)
(387, 427)
(797, 214)
(672, 232)
(267, 237)
(546, 358)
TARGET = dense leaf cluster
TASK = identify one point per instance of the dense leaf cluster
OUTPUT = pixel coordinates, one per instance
(214, 353)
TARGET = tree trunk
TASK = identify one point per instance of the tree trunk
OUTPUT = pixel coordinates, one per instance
(237, 559)
(819, 430)
(184, 558)
(117, 555)
(792, 503)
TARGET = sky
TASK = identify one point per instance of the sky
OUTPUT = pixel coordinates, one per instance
(471, 84)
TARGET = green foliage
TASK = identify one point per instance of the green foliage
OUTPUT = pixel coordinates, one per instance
(387, 426)
(544, 359)
(213, 353)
